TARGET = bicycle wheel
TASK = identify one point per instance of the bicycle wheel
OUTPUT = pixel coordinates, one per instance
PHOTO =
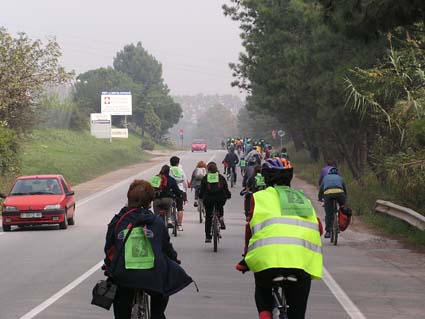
(334, 233)
(200, 209)
(215, 227)
(335, 228)
(175, 222)
(141, 307)
(232, 179)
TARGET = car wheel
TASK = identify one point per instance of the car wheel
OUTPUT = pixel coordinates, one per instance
(6, 228)
(71, 220)
(64, 224)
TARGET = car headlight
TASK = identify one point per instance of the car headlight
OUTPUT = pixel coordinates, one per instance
(10, 209)
(49, 207)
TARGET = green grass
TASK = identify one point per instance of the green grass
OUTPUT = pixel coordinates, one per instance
(77, 155)
(362, 195)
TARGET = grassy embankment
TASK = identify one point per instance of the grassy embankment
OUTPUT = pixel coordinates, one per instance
(76, 155)
(361, 198)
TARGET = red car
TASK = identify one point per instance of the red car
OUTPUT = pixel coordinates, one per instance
(199, 145)
(37, 200)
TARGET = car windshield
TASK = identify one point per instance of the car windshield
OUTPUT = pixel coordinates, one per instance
(198, 142)
(36, 186)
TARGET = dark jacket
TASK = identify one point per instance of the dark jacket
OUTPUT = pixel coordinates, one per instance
(167, 277)
(231, 159)
(207, 195)
(172, 189)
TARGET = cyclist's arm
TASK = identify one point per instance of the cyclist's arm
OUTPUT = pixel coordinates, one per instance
(248, 233)
(344, 188)
(321, 190)
(110, 241)
(225, 187)
(167, 247)
(203, 187)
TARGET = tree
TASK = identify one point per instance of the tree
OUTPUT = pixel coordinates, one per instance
(26, 67)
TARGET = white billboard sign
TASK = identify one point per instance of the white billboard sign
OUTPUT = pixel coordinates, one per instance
(116, 103)
(100, 125)
(119, 133)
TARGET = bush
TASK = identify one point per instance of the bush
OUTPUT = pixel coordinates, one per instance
(148, 144)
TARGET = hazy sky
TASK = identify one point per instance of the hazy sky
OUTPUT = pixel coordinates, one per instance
(191, 38)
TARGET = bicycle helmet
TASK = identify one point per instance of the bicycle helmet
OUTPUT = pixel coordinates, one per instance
(334, 171)
(277, 172)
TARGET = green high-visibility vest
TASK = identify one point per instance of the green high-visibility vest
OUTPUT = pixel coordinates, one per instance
(284, 233)
(176, 172)
(259, 181)
(242, 163)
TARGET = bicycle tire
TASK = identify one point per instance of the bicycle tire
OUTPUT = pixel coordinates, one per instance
(215, 232)
(175, 222)
(141, 306)
(335, 229)
(232, 179)
(200, 211)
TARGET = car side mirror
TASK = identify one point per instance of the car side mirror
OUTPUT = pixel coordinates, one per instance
(71, 193)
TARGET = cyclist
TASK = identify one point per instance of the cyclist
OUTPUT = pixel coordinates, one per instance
(195, 182)
(178, 174)
(325, 170)
(214, 192)
(242, 165)
(231, 160)
(255, 155)
(253, 184)
(165, 193)
(332, 188)
(163, 277)
(282, 238)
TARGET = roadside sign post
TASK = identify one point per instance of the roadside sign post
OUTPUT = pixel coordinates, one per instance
(281, 134)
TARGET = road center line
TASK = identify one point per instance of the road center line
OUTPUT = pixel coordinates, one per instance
(341, 296)
(62, 292)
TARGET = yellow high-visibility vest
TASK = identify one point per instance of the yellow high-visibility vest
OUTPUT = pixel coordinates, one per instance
(285, 232)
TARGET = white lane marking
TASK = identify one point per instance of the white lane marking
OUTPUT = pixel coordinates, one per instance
(62, 292)
(341, 296)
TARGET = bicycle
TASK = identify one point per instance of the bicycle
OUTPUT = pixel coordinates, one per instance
(279, 294)
(201, 210)
(335, 224)
(141, 305)
(231, 176)
(174, 219)
(215, 229)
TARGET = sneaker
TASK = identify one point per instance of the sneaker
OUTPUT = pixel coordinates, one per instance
(180, 228)
(327, 235)
(208, 239)
(169, 223)
(222, 224)
(195, 204)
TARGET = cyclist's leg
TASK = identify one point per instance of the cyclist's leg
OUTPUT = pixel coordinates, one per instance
(179, 203)
(297, 293)
(329, 212)
(234, 172)
(219, 205)
(123, 302)
(155, 205)
(168, 206)
(263, 292)
(158, 306)
(208, 218)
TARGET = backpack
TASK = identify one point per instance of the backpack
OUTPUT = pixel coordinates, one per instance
(213, 183)
(344, 217)
(159, 184)
(199, 173)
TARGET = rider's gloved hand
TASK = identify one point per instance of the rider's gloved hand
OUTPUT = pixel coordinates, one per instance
(242, 266)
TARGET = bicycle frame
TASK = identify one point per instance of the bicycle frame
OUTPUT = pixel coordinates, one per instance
(279, 294)
(141, 306)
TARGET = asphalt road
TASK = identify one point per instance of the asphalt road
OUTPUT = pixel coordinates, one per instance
(49, 273)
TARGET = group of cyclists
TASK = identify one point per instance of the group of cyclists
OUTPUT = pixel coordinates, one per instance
(282, 235)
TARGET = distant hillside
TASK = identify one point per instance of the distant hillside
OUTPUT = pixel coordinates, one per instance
(195, 105)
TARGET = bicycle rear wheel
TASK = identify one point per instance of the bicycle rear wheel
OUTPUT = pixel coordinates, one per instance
(335, 226)
(175, 222)
(215, 230)
(200, 210)
(141, 308)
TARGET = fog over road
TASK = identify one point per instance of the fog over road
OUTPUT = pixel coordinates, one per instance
(366, 276)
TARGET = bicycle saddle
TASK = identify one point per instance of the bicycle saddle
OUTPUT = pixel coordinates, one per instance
(281, 279)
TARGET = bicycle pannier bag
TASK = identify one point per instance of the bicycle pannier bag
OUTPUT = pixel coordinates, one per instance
(103, 294)
(344, 217)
